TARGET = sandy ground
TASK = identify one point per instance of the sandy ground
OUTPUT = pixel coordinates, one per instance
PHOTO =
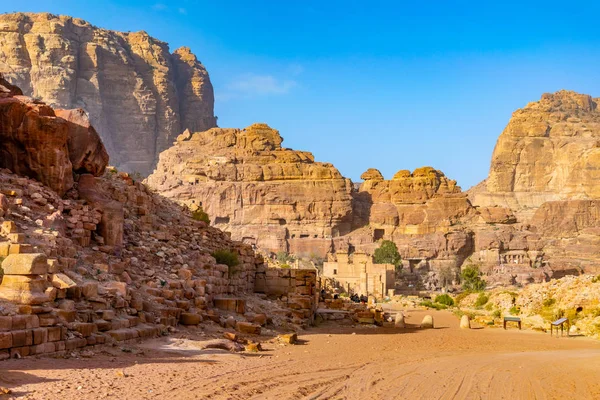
(330, 363)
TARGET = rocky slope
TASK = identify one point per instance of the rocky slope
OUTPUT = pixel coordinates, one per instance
(138, 94)
(90, 256)
(276, 198)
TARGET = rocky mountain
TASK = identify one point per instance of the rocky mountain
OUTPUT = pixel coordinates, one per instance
(276, 198)
(535, 217)
(138, 94)
(550, 150)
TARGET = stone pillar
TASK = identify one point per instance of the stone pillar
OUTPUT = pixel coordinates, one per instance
(22, 282)
(364, 283)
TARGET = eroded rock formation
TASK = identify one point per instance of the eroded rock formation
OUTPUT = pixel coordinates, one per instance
(534, 218)
(545, 171)
(549, 150)
(276, 198)
(36, 142)
(138, 94)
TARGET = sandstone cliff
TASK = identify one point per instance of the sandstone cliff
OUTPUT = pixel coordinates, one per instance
(276, 198)
(544, 169)
(549, 150)
(138, 94)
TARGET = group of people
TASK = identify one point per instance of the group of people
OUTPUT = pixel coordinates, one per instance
(359, 299)
(355, 298)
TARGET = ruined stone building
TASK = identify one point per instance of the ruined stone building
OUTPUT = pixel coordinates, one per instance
(357, 273)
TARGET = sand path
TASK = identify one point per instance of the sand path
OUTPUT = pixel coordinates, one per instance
(332, 363)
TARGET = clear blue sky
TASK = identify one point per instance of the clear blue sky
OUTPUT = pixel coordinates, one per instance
(391, 85)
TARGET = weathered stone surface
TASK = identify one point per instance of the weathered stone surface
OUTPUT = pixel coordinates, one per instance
(399, 320)
(548, 151)
(247, 327)
(427, 322)
(249, 185)
(25, 264)
(465, 323)
(139, 96)
(29, 126)
(86, 151)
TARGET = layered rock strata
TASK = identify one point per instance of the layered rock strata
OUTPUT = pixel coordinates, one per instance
(138, 94)
(544, 169)
(549, 150)
(275, 198)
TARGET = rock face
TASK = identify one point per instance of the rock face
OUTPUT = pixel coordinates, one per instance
(138, 95)
(422, 213)
(544, 173)
(35, 141)
(276, 198)
(550, 150)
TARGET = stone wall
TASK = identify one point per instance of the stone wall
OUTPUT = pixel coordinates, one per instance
(358, 274)
(298, 288)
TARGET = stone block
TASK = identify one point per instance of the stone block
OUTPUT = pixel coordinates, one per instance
(4, 249)
(230, 304)
(190, 318)
(40, 335)
(67, 315)
(85, 328)
(89, 289)
(54, 334)
(72, 344)
(6, 340)
(247, 327)
(25, 264)
(47, 319)
(25, 322)
(18, 352)
(27, 283)
(22, 338)
(5, 324)
(62, 281)
(8, 227)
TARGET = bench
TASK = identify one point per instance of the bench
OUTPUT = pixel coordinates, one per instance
(560, 322)
(512, 319)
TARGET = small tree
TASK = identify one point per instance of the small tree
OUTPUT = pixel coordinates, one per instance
(471, 279)
(387, 253)
(201, 215)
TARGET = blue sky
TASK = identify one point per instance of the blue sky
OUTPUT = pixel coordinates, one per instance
(391, 85)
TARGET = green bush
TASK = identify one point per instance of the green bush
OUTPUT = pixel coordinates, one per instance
(445, 300)
(482, 299)
(387, 253)
(200, 215)
(226, 257)
(284, 257)
(514, 310)
(497, 314)
(471, 279)
(286, 266)
(428, 303)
